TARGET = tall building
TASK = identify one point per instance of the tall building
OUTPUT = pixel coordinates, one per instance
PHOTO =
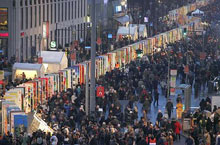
(28, 26)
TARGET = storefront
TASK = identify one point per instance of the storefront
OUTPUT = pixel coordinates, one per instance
(4, 32)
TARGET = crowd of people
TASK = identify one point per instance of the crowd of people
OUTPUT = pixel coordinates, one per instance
(144, 81)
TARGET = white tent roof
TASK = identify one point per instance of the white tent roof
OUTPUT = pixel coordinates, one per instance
(52, 56)
(27, 66)
(197, 11)
(126, 31)
(141, 26)
(124, 19)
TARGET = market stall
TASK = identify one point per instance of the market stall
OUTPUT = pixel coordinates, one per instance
(27, 71)
(54, 61)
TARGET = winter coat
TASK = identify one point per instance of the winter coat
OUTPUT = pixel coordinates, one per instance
(177, 127)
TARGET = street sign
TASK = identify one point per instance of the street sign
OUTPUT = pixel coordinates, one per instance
(146, 19)
(87, 47)
(100, 91)
(99, 41)
(53, 44)
(109, 36)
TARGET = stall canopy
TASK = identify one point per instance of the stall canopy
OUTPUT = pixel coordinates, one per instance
(54, 61)
(197, 12)
(128, 31)
(30, 70)
(124, 19)
(142, 29)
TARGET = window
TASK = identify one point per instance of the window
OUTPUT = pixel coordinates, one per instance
(4, 19)
(22, 19)
(62, 11)
(21, 3)
(43, 13)
(48, 12)
(31, 41)
(26, 3)
(51, 35)
(69, 11)
(39, 15)
(39, 1)
(62, 37)
(30, 2)
(26, 17)
(58, 12)
(78, 8)
(35, 40)
(65, 37)
(72, 11)
(85, 14)
(55, 12)
(82, 8)
(35, 2)
(51, 14)
(22, 47)
(65, 11)
(31, 17)
(35, 16)
(26, 48)
(69, 34)
(75, 9)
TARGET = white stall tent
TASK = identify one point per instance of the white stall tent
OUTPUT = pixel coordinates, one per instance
(54, 61)
(197, 12)
(30, 70)
(131, 31)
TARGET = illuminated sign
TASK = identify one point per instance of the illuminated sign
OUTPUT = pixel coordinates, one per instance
(4, 19)
(118, 9)
(53, 44)
(3, 34)
(110, 36)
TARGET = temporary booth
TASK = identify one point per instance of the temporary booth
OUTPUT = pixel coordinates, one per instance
(54, 61)
(198, 12)
(131, 31)
(30, 70)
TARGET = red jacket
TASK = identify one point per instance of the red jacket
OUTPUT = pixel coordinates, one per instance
(177, 127)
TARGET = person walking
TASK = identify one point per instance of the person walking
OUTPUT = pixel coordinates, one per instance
(156, 97)
(179, 110)
(177, 129)
(169, 107)
(218, 139)
(189, 140)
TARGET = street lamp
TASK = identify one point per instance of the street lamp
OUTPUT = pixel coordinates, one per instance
(168, 75)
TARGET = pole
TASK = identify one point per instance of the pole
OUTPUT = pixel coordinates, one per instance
(168, 76)
(87, 89)
(93, 54)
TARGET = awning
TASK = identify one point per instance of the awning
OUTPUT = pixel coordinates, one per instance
(124, 19)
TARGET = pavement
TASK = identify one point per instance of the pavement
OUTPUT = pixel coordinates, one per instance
(162, 103)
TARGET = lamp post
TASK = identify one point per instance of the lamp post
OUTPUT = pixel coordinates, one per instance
(168, 73)
(93, 54)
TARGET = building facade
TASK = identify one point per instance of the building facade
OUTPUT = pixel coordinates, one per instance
(28, 26)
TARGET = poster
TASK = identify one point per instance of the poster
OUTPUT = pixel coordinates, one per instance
(20, 124)
(12, 113)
